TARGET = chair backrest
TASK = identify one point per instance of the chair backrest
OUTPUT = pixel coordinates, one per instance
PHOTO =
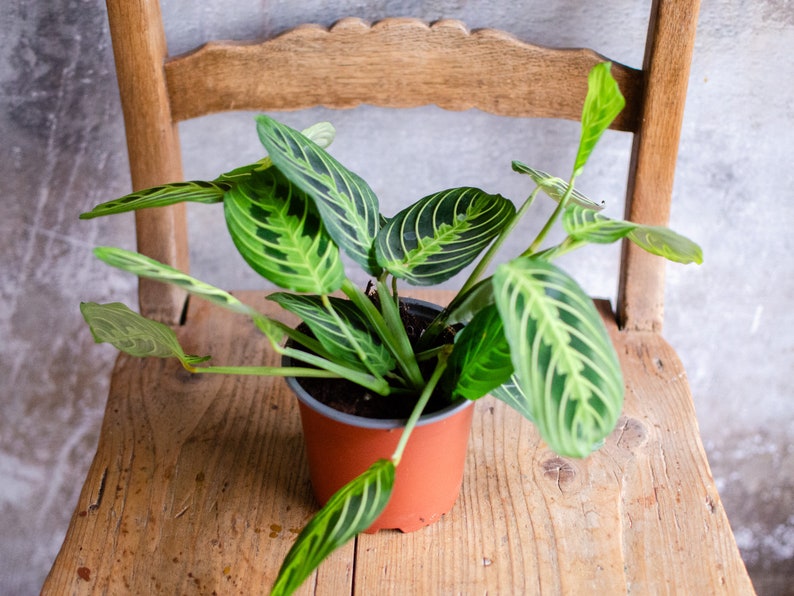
(397, 63)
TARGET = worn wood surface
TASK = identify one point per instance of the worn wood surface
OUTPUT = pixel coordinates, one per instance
(397, 62)
(199, 485)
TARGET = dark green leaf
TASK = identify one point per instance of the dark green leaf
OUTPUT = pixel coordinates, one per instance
(345, 201)
(349, 511)
(436, 237)
(564, 360)
(333, 338)
(464, 306)
(162, 196)
(603, 103)
(480, 360)
(556, 187)
(279, 233)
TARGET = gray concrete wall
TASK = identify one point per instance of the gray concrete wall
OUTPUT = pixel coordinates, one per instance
(63, 150)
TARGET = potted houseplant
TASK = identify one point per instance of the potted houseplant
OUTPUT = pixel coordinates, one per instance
(528, 334)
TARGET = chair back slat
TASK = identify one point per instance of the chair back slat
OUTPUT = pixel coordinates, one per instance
(397, 63)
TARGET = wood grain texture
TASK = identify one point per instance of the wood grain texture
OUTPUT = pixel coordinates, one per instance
(139, 48)
(396, 62)
(671, 39)
(199, 484)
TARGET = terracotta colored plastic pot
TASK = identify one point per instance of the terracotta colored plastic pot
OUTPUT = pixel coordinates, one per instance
(341, 446)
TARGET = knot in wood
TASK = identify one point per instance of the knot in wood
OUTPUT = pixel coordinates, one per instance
(559, 471)
(631, 433)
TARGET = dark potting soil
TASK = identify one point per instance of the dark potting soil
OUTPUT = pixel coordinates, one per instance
(347, 397)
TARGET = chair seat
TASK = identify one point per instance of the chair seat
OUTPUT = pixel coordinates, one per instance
(199, 485)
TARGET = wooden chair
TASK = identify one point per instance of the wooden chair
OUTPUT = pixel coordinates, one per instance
(197, 487)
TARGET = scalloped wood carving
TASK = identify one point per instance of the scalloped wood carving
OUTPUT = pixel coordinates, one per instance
(394, 63)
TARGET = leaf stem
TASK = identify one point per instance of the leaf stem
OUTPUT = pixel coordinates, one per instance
(475, 275)
(441, 366)
(566, 246)
(378, 385)
(396, 341)
(273, 371)
(344, 328)
(552, 219)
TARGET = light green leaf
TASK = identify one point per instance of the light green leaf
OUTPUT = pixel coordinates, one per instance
(511, 393)
(480, 360)
(337, 341)
(349, 511)
(129, 332)
(585, 225)
(589, 226)
(279, 233)
(436, 237)
(556, 187)
(144, 266)
(244, 172)
(162, 196)
(666, 243)
(322, 134)
(345, 201)
(602, 104)
(564, 361)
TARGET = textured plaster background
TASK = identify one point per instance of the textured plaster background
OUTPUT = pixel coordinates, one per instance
(63, 151)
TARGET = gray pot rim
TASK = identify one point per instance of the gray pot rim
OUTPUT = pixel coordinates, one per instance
(376, 423)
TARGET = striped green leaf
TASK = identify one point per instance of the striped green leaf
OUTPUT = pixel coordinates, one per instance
(439, 235)
(480, 360)
(603, 103)
(279, 233)
(564, 361)
(345, 201)
(161, 196)
(666, 243)
(129, 332)
(587, 225)
(349, 511)
(344, 333)
(556, 187)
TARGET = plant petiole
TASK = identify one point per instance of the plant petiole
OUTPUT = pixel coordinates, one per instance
(427, 392)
